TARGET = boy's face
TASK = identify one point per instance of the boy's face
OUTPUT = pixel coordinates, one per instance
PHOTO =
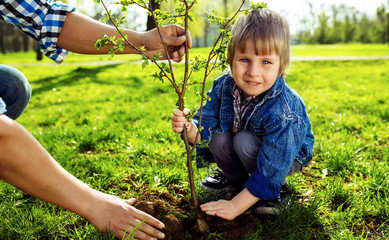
(254, 74)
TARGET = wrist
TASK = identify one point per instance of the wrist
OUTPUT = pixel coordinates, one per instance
(244, 200)
(89, 205)
(193, 133)
(135, 40)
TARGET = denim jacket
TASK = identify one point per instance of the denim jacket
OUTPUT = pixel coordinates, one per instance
(279, 119)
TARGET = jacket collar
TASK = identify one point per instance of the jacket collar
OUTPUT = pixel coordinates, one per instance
(276, 88)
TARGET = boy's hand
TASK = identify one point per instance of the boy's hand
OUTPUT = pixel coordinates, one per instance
(222, 208)
(230, 209)
(179, 120)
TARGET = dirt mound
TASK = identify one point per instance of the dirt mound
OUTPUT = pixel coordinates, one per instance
(176, 213)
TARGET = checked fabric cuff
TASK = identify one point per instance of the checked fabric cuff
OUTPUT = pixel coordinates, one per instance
(3, 107)
(41, 20)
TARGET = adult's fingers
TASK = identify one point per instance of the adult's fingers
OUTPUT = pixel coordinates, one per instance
(180, 31)
(142, 226)
(142, 215)
(134, 233)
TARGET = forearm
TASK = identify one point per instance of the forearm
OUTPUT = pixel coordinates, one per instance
(244, 200)
(25, 164)
(80, 33)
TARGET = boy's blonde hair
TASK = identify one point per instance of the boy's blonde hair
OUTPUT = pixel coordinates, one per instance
(269, 32)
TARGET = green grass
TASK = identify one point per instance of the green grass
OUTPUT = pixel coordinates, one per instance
(326, 50)
(109, 124)
(296, 51)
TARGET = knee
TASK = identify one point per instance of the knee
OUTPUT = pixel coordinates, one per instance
(246, 144)
(6, 126)
(221, 142)
(15, 90)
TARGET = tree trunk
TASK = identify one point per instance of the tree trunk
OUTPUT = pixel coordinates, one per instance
(39, 55)
(225, 8)
(150, 21)
(25, 42)
(387, 27)
(2, 34)
(206, 31)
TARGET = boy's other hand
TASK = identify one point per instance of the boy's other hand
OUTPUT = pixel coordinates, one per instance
(179, 120)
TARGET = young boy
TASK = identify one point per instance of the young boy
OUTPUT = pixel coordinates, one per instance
(256, 126)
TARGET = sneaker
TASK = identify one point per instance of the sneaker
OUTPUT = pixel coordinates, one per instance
(273, 207)
(219, 182)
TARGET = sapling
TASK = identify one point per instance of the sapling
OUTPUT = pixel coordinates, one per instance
(216, 60)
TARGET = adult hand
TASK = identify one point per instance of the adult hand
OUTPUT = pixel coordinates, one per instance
(80, 32)
(110, 213)
(174, 38)
(25, 164)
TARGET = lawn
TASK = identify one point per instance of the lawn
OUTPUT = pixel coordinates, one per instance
(334, 50)
(109, 126)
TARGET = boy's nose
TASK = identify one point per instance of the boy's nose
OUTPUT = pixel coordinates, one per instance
(254, 70)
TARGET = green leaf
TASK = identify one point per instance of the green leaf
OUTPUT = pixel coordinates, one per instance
(145, 63)
(255, 6)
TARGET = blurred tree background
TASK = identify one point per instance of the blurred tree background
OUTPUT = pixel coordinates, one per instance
(340, 24)
(344, 24)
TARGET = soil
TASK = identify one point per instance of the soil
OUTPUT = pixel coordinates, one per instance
(177, 215)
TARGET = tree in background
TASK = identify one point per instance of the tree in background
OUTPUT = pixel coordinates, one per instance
(336, 23)
(381, 28)
(322, 31)
(349, 29)
(202, 32)
(150, 21)
(363, 33)
(344, 24)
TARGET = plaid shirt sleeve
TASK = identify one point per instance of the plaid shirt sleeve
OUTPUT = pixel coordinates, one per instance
(3, 106)
(40, 19)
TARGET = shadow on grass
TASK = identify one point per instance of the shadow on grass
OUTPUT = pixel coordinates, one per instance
(298, 221)
(80, 75)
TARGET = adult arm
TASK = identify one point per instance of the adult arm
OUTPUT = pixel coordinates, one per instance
(48, 20)
(80, 32)
(25, 164)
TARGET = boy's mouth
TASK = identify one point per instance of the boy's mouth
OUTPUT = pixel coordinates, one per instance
(253, 83)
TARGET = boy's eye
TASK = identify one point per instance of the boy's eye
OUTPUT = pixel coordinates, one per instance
(245, 60)
(265, 62)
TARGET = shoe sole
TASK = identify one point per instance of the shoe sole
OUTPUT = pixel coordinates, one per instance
(267, 210)
(209, 190)
(213, 190)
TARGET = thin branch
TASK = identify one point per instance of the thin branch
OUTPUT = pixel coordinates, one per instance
(138, 49)
(164, 46)
(186, 26)
(206, 75)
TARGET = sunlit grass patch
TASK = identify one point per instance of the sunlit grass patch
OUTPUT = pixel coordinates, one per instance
(110, 127)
